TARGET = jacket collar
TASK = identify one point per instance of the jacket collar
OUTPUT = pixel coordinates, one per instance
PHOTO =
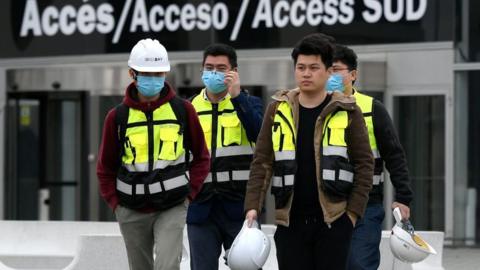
(337, 100)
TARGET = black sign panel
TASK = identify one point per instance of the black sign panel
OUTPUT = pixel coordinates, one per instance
(76, 27)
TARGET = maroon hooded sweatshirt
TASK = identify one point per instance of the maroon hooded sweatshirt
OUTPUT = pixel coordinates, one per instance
(108, 158)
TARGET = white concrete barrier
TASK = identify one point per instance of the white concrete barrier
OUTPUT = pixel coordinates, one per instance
(100, 252)
(4, 267)
(99, 245)
(46, 244)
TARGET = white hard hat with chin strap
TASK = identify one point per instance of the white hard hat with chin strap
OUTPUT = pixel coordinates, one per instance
(149, 56)
(405, 244)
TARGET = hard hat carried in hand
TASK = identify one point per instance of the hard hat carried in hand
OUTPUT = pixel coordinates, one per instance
(149, 56)
(405, 244)
(249, 250)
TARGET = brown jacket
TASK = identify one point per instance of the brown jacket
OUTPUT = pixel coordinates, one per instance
(358, 149)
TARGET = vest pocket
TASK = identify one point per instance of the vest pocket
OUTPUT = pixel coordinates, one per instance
(169, 142)
(206, 124)
(281, 195)
(336, 128)
(231, 130)
(337, 176)
(131, 189)
(282, 186)
(337, 137)
(138, 143)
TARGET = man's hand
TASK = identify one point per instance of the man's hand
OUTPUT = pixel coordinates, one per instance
(232, 81)
(353, 218)
(251, 216)
(404, 210)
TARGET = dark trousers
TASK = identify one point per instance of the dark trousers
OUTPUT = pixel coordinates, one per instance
(206, 238)
(308, 243)
(364, 252)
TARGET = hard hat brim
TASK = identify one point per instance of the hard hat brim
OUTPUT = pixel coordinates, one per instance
(150, 69)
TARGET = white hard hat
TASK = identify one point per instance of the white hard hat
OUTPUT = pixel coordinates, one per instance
(249, 250)
(149, 56)
(405, 244)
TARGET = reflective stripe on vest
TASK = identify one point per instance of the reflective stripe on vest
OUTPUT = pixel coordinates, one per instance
(153, 142)
(284, 155)
(278, 180)
(334, 149)
(283, 140)
(154, 188)
(158, 164)
(230, 150)
(234, 151)
(342, 175)
(366, 105)
(239, 175)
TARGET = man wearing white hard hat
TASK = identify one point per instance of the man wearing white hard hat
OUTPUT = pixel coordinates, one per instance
(152, 161)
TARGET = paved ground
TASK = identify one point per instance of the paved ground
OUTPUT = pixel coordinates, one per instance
(461, 258)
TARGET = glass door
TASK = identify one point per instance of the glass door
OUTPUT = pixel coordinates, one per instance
(46, 175)
(23, 162)
(421, 123)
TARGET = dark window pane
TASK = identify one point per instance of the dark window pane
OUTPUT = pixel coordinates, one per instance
(467, 31)
(420, 122)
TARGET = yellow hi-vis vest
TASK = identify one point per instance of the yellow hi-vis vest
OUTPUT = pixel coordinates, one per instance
(153, 172)
(230, 150)
(366, 106)
(284, 147)
(337, 172)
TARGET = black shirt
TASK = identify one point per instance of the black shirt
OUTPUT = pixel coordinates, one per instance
(305, 196)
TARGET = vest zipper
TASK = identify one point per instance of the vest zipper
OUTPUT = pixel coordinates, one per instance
(150, 139)
(214, 142)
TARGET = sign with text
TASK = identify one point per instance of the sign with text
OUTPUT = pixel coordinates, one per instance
(72, 27)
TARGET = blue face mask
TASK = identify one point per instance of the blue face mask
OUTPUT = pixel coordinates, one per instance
(213, 80)
(335, 83)
(150, 86)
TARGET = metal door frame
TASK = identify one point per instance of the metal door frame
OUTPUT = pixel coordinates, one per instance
(44, 97)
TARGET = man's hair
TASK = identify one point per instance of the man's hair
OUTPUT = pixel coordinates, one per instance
(315, 44)
(219, 49)
(345, 55)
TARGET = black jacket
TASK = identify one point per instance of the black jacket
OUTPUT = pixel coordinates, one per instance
(393, 156)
